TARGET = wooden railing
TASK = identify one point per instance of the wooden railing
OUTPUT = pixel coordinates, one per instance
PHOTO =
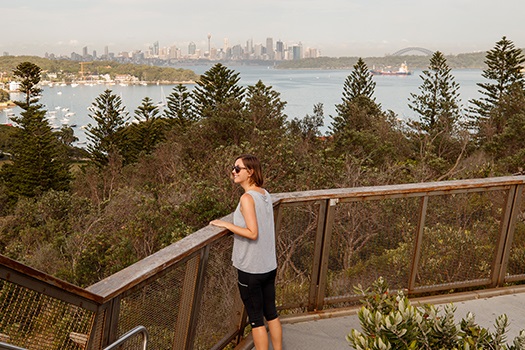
(423, 238)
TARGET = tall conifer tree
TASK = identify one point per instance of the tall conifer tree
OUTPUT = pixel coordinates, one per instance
(110, 117)
(39, 161)
(358, 91)
(218, 85)
(180, 110)
(437, 103)
(505, 73)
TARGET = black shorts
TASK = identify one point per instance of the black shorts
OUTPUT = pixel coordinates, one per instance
(258, 295)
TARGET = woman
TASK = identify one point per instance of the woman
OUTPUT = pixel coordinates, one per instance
(254, 251)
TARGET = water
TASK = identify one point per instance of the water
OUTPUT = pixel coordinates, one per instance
(301, 89)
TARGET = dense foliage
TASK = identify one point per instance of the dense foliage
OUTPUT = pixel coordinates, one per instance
(389, 321)
(153, 180)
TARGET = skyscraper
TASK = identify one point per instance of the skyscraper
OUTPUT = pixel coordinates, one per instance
(155, 49)
(297, 51)
(279, 50)
(209, 44)
(269, 48)
(192, 48)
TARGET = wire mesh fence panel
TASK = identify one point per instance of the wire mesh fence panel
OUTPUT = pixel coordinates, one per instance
(371, 239)
(295, 254)
(32, 320)
(156, 306)
(516, 264)
(221, 308)
(460, 238)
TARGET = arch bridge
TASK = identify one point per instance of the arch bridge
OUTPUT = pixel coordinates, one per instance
(422, 50)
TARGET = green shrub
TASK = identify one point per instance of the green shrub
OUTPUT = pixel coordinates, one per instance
(389, 321)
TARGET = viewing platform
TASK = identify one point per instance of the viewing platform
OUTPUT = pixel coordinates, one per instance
(456, 241)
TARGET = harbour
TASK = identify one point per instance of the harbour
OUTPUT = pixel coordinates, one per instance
(69, 104)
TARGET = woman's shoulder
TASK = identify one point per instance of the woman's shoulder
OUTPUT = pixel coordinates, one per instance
(259, 190)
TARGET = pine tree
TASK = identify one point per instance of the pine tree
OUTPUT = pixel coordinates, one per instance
(359, 82)
(437, 132)
(504, 70)
(39, 161)
(217, 86)
(105, 137)
(437, 104)
(146, 111)
(264, 107)
(358, 90)
(143, 136)
(180, 110)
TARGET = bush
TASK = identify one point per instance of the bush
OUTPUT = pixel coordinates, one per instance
(389, 321)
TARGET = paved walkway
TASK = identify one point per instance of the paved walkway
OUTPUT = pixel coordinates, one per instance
(330, 333)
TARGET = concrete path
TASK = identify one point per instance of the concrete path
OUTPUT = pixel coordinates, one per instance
(330, 333)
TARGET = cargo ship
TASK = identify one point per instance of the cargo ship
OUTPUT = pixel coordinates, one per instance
(403, 70)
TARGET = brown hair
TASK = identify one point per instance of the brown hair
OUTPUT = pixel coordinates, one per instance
(252, 163)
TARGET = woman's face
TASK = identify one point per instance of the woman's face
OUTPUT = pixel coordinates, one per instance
(239, 172)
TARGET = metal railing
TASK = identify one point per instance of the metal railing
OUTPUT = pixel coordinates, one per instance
(128, 335)
(423, 238)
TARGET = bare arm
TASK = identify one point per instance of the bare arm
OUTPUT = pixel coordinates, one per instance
(248, 212)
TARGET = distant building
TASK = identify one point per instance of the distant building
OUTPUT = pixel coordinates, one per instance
(297, 52)
(192, 48)
(269, 48)
(279, 50)
(156, 51)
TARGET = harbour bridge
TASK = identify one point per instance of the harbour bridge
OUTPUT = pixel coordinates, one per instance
(422, 50)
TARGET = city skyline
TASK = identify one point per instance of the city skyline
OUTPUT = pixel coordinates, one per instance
(271, 50)
(334, 27)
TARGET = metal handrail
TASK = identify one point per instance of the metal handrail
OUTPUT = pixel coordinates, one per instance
(129, 334)
(5, 346)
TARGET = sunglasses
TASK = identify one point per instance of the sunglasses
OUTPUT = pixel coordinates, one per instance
(237, 168)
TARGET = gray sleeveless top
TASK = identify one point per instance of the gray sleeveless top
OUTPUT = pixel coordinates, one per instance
(256, 256)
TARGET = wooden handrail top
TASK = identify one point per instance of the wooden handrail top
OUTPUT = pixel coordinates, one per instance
(402, 189)
(34, 274)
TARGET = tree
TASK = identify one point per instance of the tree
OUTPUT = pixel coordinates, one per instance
(504, 70)
(308, 127)
(264, 109)
(39, 161)
(358, 88)
(217, 86)
(437, 132)
(4, 96)
(437, 104)
(220, 108)
(110, 117)
(143, 136)
(508, 147)
(180, 109)
(146, 111)
(359, 82)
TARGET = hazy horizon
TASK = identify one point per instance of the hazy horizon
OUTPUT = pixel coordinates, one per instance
(337, 28)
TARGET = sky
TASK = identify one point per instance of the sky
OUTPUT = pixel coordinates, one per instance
(337, 28)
